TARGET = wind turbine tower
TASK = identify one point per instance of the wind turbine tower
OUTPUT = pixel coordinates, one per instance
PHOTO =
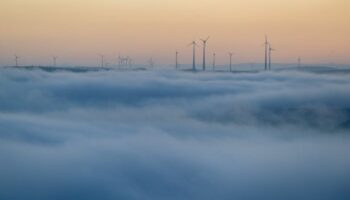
(151, 62)
(54, 58)
(266, 51)
(270, 54)
(204, 51)
(16, 60)
(299, 61)
(119, 61)
(102, 60)
(194, 44)
(214, 61)
(125, 61)
(129, 62)
(230, 54)
(176, 60)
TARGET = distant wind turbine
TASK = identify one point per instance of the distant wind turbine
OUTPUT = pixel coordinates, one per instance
(193, 44)
(102, 59)
(266, 51)
(270, 52)
(54, 58)
(299, 61)
(16, 60)
(204, 49)
(151, 62)
(129, 61)
(230, 54)
(125, 62)
(119, 61)
(214, 61)
(176, 60)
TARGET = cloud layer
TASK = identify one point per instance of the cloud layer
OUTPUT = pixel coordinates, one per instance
(174, 135)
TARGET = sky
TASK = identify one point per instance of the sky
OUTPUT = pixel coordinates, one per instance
(77, 30)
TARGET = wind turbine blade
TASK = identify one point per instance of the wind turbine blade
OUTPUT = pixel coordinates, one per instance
(205, 40)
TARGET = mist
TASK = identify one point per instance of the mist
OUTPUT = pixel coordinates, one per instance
(174, 135)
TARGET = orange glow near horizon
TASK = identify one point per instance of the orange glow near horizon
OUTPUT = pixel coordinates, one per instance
(78, 30)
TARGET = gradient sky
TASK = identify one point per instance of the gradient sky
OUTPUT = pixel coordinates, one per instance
(78, 30)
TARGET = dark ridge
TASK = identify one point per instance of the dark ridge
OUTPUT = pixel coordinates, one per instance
(77, 69)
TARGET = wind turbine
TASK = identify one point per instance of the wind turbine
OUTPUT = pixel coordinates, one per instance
(119, 61)
(214, 61)
(16, 60)
(299, 61)
(204, 49)
(193, 44)
(151, 62)
(54, 58)
(266, 51)
(230, 54)
(176, 60)
(125, 62)
(270, 52)
(129, 60)
(102, 59)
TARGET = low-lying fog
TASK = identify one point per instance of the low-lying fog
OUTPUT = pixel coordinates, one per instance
(174, 135)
